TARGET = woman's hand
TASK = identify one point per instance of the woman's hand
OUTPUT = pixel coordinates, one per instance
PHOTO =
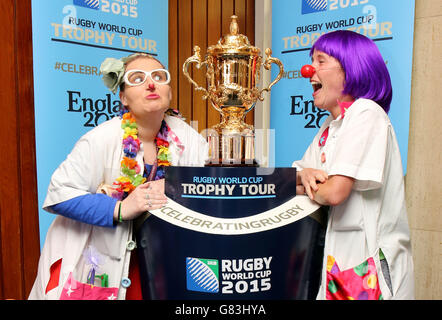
(308, 180)
(145, 197)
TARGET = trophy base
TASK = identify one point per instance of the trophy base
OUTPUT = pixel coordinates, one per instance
(231, 142)
(232, 165)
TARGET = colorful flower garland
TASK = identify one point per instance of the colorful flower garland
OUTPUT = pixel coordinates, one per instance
(130, 170)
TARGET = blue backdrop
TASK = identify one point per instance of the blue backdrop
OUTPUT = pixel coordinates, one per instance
(296, 25)
(71, 38)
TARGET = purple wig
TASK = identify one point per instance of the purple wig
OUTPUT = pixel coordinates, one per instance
(366, 75)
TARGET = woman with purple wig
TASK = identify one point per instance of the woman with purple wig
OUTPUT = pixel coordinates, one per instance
(354, 166)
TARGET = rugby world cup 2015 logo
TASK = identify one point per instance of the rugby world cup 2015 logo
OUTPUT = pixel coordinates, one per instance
(312, 6)
(202, 275)
(91, 4)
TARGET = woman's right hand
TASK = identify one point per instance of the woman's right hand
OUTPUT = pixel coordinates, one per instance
(308, 180)
(145, 197)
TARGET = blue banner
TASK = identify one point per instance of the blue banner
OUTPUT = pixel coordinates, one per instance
(297, 25)
(70, 39)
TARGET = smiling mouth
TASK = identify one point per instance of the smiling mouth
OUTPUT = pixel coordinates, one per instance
(316, 85)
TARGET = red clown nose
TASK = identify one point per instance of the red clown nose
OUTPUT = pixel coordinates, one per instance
(307, 71)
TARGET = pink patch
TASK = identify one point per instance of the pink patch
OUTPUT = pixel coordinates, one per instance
(344, 106)
(323, 138)
(74, 290)
(175, 139)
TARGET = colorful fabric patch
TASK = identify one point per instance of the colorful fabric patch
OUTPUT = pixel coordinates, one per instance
(358, 283)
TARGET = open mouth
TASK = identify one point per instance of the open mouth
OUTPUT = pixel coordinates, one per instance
(316, 85)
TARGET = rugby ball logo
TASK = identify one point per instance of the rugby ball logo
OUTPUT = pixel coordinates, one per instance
(202, 275)
(312, 6)
(91, 4)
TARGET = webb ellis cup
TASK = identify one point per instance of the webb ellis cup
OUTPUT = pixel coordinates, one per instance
(233, 72)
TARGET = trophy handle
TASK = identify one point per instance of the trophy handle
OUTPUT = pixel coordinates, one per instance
(267, 64)
(196, 58)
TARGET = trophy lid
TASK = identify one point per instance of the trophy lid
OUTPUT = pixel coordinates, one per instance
(234, 43)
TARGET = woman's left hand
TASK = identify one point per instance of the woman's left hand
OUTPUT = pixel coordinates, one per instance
(309, 179)
(145, 197)
(155, 194)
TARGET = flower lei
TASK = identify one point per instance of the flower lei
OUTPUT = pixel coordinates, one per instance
(130, 170)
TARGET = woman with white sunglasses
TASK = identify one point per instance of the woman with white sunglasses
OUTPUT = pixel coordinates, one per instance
(114, 174)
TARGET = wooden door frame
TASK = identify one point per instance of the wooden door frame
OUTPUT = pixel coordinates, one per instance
(19, 232)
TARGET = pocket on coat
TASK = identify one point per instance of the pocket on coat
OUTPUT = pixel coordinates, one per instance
(75, 290)
(385, 271)
(358, 283)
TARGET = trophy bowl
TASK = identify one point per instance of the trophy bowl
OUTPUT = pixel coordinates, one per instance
(233, 73)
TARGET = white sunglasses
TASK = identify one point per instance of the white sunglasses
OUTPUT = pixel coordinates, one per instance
(138, 77)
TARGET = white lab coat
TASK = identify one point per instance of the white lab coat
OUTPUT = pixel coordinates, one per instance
(363, 145)
(95, 160)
